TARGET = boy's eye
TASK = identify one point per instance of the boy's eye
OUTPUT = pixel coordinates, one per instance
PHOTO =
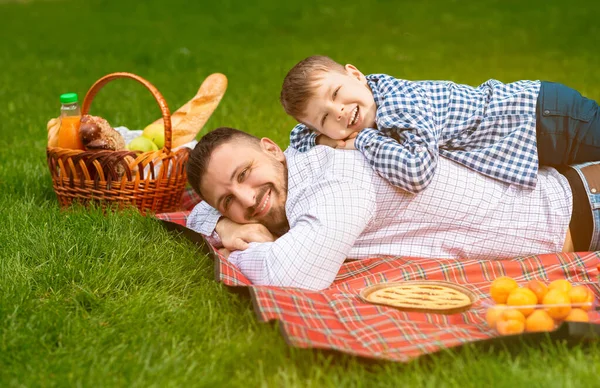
(323, 119)
(336, 92)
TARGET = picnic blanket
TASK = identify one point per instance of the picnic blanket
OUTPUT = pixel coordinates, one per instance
(336, 318)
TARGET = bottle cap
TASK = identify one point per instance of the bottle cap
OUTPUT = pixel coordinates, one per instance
(68, 98)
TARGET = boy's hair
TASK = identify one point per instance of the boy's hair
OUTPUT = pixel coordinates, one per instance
(301, 81)
(200, 155)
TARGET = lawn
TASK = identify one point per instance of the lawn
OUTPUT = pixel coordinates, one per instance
(96, 300)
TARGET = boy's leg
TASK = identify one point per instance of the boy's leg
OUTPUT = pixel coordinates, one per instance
(568, 126)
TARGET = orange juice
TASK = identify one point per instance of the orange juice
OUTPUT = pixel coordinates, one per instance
(68, 134)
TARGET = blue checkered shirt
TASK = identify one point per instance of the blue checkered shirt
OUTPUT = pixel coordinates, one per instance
(490, 129)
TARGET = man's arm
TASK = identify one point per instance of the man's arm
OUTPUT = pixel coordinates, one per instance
(312, 252)
(221, 232)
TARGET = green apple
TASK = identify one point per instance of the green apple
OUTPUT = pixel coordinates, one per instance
(156, 133)
(143, 144)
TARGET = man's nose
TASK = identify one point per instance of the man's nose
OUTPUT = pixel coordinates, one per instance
(246, 196)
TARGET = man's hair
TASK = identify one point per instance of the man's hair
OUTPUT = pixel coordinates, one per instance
(201, 154)
(301, 81)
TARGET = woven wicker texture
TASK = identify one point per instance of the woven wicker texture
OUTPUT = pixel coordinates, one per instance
(151, 181)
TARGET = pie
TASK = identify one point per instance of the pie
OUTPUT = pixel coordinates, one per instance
(421, 296)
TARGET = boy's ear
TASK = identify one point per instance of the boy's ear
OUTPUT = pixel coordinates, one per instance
(354, 72)
(271, 148)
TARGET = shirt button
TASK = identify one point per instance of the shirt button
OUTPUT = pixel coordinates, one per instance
(546, 112)
(593, 190)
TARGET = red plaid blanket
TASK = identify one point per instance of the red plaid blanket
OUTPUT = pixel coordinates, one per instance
(337, 318)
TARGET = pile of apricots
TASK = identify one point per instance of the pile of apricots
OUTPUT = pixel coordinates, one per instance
(536, 306)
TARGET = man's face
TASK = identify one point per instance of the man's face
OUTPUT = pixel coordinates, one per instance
(247, 183)
(342, 104)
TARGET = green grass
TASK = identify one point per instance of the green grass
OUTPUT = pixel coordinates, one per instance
(88, 299)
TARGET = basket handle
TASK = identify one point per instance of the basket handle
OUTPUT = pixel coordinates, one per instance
(162, 103)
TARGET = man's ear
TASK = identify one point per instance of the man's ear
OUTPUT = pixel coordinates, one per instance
(271, 148)
(354, 72)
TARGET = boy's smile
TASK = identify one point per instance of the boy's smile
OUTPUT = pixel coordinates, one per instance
(341, 105)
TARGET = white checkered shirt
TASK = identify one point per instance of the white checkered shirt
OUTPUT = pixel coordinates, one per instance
(338, 208)
(490, 129)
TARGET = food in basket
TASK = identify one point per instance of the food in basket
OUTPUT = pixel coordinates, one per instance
(423, 296)
(53, 126)
(97, 134)
(142, 143)
(187, 121)
(156, 134)
(537, 306)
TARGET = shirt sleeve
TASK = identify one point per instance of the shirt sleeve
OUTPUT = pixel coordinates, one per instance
(310, 255)
(404, 150)
(203, 219)
(302, 138)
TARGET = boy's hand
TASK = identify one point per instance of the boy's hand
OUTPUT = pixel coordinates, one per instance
(236, 237)
(348, 145)
(349, 142)
(324, 140)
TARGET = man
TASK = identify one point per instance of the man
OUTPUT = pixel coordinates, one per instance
(324, 206)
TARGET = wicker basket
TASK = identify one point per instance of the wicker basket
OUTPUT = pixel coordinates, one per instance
(151, 181)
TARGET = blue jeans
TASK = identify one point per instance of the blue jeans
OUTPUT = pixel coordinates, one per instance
(593, 196)
(568, 126)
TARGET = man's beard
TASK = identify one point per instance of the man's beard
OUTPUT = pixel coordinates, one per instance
(276, 221)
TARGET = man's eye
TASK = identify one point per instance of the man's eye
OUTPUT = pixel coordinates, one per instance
(242, 175)
(227, 202)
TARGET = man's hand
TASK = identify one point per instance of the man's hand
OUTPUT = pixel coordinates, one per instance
(236, 237)
(225, 252)
(324, 140)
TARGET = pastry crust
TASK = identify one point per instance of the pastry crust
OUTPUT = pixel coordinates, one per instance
(421, 296)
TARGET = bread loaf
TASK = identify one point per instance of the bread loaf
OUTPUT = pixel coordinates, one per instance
(97, 134)
(187, 121)
(53, 127)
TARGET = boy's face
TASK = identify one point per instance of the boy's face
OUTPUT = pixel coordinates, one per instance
(342, 104)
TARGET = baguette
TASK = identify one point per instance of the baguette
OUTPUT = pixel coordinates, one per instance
(188, 120)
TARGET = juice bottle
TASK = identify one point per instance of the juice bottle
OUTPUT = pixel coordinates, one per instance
(70, 115)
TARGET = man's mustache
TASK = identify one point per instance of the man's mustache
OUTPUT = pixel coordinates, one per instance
(259, 198)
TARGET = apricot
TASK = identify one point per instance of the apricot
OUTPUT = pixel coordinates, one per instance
(580, 295)
(561, 285)
(493, 314)
(558, 304)
(522, 297)
(578, 315)
(510, 322)
(539, 320)
(501, 287)
(539, 288)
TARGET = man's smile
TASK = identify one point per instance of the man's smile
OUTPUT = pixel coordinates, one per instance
(264, 205)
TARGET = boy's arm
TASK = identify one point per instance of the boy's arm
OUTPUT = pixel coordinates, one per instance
(302, 138)
(409, 164)
(408, 159)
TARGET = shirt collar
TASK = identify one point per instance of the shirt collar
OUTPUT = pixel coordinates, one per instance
(373, 80)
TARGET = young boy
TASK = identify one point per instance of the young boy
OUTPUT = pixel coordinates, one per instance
(501, 130)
